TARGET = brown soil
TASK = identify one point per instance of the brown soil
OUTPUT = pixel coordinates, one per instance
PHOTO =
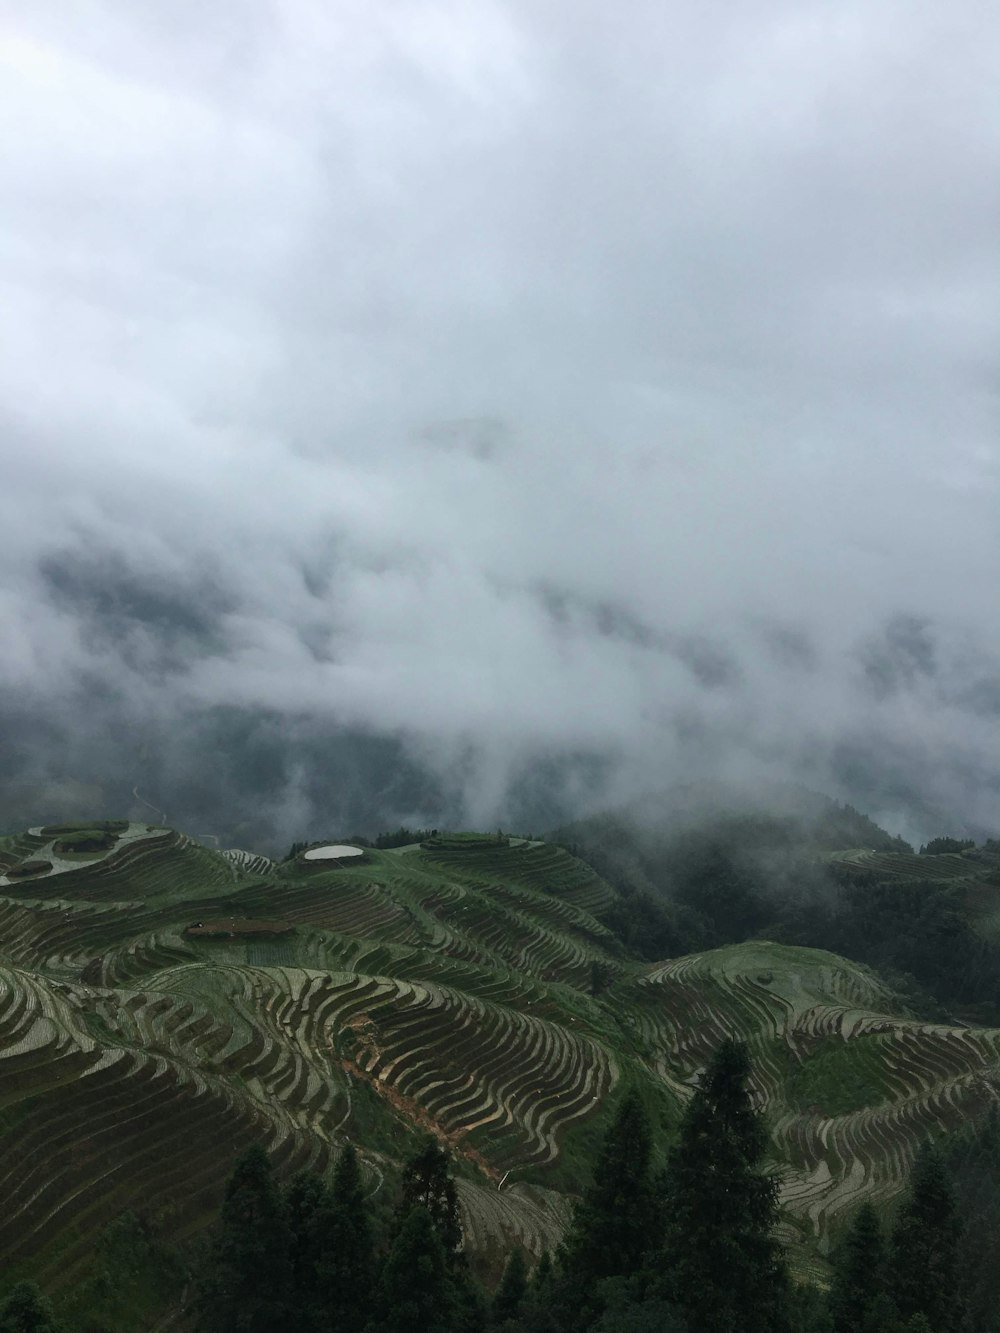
(406, 1106)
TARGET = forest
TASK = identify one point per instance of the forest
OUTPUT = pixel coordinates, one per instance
(734, 877)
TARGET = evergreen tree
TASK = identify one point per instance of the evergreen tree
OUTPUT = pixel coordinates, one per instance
(427, 1182)
(616, 1223)
(723, 1267)
(416, 1291)
(809, 1310)
(646, 1316)
(512, 1289)
(924, 1265)
(26, 1311)
(540, 1309)
(305, 1201)
(541, 1279)
(973, 1159)
(247, 1288)
(346, 1254)
(858, 1289)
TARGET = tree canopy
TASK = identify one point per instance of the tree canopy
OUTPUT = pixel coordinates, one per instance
(723, 1267)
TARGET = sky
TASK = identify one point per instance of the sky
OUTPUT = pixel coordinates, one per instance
(545, 388)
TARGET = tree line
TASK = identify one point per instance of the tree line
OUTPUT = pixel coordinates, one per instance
(310, 1258)
(686, 1247)
(740, 879)
(692, 1248)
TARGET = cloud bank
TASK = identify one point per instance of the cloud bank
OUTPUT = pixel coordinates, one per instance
(483, 411)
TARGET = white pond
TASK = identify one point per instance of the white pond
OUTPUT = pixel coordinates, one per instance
(331, 853)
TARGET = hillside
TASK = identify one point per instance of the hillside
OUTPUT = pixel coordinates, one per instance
(720, 868)
(162, 1006)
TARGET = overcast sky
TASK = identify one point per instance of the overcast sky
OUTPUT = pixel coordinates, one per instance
(548, 377)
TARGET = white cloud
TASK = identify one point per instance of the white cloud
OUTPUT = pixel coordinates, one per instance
(437, 337)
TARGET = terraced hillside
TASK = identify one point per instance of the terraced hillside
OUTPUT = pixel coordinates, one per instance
(971, 865)
(162, 1006)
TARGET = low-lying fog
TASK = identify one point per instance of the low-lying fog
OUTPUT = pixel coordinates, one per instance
(476, 414)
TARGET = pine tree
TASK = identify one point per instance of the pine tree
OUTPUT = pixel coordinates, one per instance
(512, 1289)
(428, 1184)
(617, 1222)
(924, 1263)
(247, 1288)
(26, 1311)
(540, 1309)
(723, 1267)
(973, 1159)
(859, 1276)
(541, 1279)
(304, 1203)
(416, 1291)
(346, 1258)
(809, 1310)
(648, 1316)
(427, 1181)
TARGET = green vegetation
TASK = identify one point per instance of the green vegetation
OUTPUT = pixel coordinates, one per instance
(942, 846)
(26, 869)
(838, 1077)
(404, 837)
(309, 1258)
(618, 1220)
(859, 1292)
(972, 1157)
(27, 1311)
(93, 828)
(924, 1254)
(133, 1278)
(344, 1246)
(513, 1288)
(496, 993)
(460, 842)
(247, 1283)
(723, 1268)
(86, 840)
(917, 1277)
(826, 878)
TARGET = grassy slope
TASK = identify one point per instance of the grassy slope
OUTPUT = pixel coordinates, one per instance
(446, 987)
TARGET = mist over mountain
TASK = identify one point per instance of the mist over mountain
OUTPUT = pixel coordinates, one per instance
(476, 416)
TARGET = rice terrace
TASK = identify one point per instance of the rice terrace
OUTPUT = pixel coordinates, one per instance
(163, 1006)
